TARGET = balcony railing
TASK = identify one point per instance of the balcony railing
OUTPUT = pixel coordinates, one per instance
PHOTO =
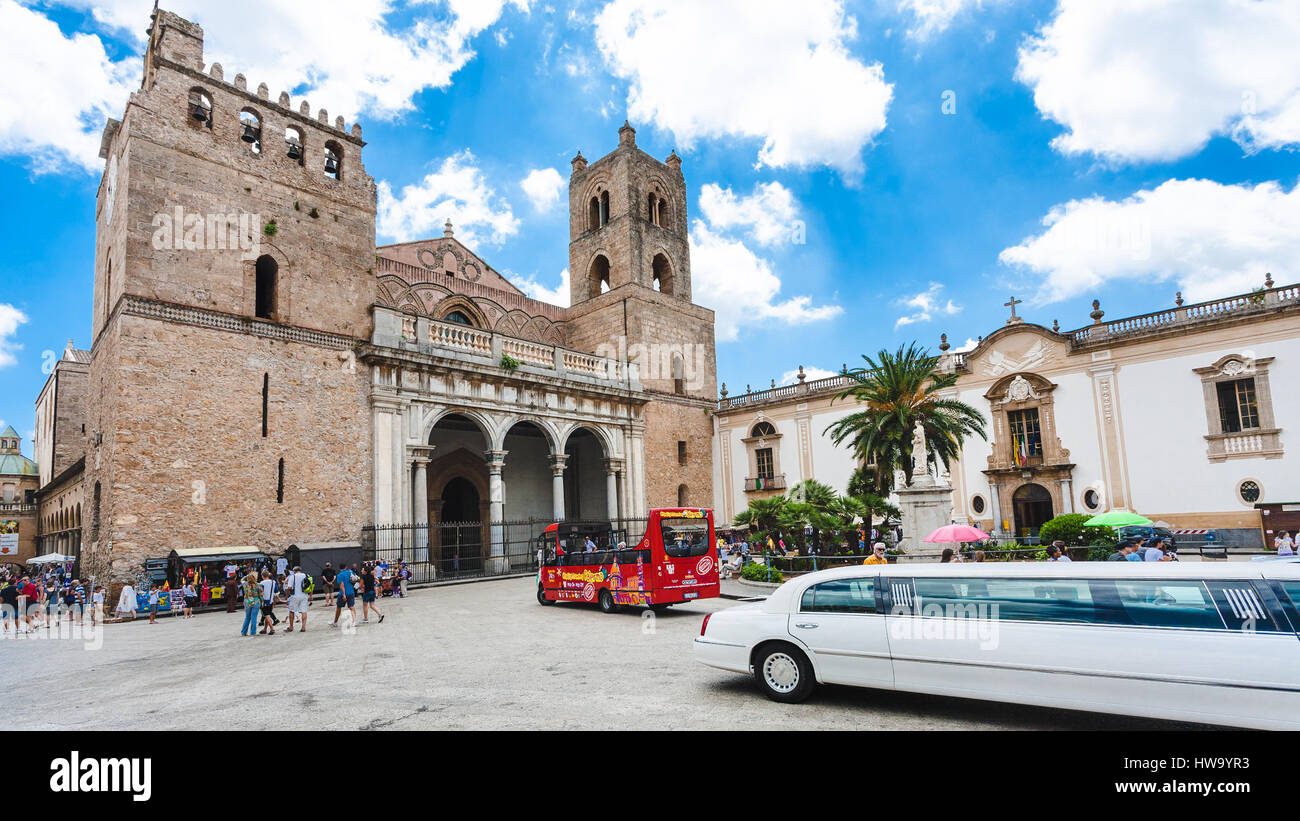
(1248, 443)
(16, 508)
(817, 386)
(758, 483)
(1254, 302)
(489, 348)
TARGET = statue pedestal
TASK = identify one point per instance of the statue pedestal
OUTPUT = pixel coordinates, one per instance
(923, 510)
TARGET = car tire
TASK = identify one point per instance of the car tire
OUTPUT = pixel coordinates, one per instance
(607, 604)
(783, 673)
(541, 597)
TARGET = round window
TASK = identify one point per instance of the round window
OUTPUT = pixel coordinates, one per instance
(977, 505)
(1091, 499)
(1249, 491)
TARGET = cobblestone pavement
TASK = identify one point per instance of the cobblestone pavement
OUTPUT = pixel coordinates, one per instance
(474, 656)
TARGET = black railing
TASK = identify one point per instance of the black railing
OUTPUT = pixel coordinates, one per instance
(450, 551)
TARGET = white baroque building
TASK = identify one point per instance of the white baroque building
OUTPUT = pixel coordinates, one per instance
(1181, 415)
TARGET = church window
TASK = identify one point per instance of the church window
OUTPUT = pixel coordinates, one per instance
(593, 214)
(108, 287)
(661, 271)
(200, 107)
(333, 160)
(1091, 499)
(1238, 408)
(267, 271)
(266, 403)
(459, 318)
(1026, 440)
(279, 485)
(763, 429)
(1249, 491)
(679, 380)
(598, 275)
(293, 144)
(250, 130)
(766, 467)
(681, 495)
(681, 453)
(604, 208)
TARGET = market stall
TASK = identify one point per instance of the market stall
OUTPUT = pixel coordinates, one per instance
(205, 568)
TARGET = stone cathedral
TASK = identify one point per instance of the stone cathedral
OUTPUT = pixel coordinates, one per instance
(262, 374)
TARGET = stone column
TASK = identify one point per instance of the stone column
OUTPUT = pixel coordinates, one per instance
(421, 518)
(996, 508)
(496, 460)
(1067, 497)
(557, 486)
(612, 467)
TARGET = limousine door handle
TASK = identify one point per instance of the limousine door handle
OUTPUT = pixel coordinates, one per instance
(806, 626)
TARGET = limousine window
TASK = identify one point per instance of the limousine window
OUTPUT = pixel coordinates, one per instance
(1010, 599)
(840, 596)
(1168, 604)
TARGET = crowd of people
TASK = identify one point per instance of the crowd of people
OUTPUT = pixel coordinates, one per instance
(32, 600)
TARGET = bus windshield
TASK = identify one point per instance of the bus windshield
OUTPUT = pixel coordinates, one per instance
(685, 538)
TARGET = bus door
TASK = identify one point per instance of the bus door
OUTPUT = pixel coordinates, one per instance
(685, 557)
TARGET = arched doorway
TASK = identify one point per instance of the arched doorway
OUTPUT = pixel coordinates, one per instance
(460, 532)
(1033, 507)
(585, 476)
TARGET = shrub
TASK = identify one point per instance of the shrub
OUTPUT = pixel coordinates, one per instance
(756, 572)
(1069, 528)
(509, 363)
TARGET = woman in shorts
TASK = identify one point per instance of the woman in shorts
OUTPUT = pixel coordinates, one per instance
(369, 589)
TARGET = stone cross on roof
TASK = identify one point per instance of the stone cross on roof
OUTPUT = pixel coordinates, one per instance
(1012, 305)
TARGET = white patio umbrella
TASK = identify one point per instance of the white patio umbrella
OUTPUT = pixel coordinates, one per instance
(50, 558)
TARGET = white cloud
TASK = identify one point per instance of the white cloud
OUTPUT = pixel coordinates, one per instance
(968, 345)
(791, 377)
(542, 186)
(1212, 239)
(934, 16)
(767, 215)
(10, 319)
(749, 68)
(925, 305)
(1156, 79)
(456, 191)
(347, 56)
(58, 91)
(741, 288)
(558, 295)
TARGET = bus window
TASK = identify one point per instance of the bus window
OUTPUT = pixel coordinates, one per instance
(685, 538)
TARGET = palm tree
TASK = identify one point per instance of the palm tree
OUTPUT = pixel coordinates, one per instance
(894, 392)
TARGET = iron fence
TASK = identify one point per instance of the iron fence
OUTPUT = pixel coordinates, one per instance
(450, 551)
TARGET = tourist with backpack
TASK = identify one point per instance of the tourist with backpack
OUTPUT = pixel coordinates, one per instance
(299, 598)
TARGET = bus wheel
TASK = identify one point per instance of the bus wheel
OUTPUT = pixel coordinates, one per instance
(541, 597)
(783, 673)
(607, 604)
(660, 608)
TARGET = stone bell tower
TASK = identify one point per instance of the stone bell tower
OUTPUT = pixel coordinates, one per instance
(630, 289)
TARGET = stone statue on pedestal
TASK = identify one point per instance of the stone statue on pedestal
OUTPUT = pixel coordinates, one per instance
(920, 461)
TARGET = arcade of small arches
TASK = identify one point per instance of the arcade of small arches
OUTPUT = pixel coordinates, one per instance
(660, 274)
(476, 470)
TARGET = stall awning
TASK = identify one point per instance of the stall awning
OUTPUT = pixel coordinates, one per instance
(197, 555)
(327, 546)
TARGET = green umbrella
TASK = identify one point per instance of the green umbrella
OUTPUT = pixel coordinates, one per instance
(1117, 518)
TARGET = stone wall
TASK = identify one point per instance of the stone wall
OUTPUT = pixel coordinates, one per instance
(184, 462)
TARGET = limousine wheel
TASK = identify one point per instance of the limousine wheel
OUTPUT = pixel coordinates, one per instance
(607, 604)
(783, 673)
(541, 597)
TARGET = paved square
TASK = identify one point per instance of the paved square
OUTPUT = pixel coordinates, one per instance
(473, 656)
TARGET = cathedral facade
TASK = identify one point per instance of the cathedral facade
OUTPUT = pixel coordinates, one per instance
(263, 374)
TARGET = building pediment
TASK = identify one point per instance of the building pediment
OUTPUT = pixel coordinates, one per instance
(1015, 348)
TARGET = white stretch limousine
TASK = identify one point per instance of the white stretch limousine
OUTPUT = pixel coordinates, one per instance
(1204, 642)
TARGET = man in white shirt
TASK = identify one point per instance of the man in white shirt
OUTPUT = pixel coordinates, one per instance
(590, 547)
(298, 598)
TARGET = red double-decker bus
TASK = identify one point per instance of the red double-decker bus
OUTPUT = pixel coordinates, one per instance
(675, 561)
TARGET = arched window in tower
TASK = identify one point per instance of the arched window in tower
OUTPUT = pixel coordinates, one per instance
(293, 144)
(662, 273)
(682, 496)
(267, 272)
(200, 107)
(250, 130)
(652, 211)
(333, 160)
(679, 374)
(604, 208)
(598, 276)
(593, 214)
(661, 213)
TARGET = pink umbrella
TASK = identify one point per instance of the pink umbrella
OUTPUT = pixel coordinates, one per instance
(957, 533)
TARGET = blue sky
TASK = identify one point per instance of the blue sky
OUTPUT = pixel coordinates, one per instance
(861, 173)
